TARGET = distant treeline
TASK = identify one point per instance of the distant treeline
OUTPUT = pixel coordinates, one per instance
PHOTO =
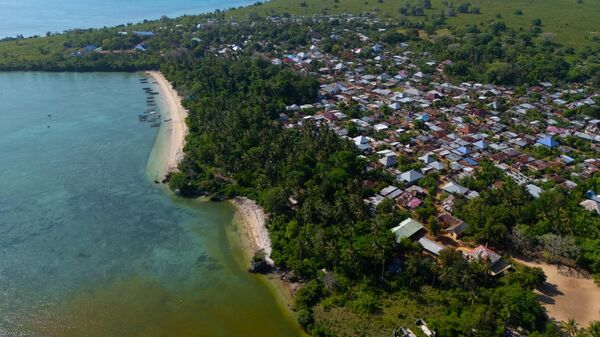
(492, 53)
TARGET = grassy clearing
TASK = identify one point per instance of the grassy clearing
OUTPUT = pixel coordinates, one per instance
(571, 23)
(32, 50)
(566, 21)
(398, 310)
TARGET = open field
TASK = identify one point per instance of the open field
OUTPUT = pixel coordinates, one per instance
(32, 50)
(574, 24)
(398, 310)
(568, 294)
(569, 22)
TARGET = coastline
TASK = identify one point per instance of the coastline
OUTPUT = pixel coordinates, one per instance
(176, 130)
(252, 235)
(251, 220)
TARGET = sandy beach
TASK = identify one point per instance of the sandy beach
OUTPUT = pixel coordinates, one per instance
(251, 216)
(177, 128)
(567, 294)
(252, 221)
(253, 235)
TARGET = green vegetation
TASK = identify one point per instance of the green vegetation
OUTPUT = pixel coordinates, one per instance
(236, 147)
(564, 21)
(491, 53)
(501, 43)
(554, 226)
(312, 181)
(234, 133)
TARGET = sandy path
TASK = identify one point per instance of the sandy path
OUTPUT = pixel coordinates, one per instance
(568, 294)
(254, 226)
(178, 129)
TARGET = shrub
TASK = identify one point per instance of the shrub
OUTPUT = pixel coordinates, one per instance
(366, 302)
(305, 318)
(308, 295)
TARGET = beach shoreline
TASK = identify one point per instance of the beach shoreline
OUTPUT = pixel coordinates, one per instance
(251, 232)
(252, 235)
(252, 223)
(176, 129)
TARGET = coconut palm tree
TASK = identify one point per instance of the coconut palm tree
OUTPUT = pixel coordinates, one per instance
(569, 327)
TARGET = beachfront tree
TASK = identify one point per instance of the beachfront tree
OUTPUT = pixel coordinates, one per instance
(594, 329)
(569, 327)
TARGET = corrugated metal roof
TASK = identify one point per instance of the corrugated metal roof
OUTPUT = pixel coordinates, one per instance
(407, 228)
(431, 246)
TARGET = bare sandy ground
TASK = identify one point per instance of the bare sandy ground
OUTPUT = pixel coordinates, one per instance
(568, 294)
(177, 127)
(253, 220)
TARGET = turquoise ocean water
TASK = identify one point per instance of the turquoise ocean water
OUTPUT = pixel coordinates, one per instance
(31, 17)
(89, 245)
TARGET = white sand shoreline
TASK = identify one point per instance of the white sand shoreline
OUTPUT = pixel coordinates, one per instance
(177, 127)
(253, 226)
(252, 217)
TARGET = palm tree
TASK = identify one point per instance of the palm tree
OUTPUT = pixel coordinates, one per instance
(570, 327)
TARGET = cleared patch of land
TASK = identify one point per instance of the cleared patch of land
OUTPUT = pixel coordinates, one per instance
(568, 294)
(401, 309)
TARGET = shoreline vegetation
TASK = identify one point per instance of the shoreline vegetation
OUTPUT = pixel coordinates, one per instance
(250, 218)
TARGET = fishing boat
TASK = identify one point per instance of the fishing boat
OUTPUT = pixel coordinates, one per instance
(167, 120)
(154, 125)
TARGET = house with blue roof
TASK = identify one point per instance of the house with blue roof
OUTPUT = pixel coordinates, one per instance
(424, 117)
(377, 48)
(144, 34)
(548, 141)
(463, 150)
(481, 144)
(471, 161)
(566, 159)
(89, 48)
(141, 47)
